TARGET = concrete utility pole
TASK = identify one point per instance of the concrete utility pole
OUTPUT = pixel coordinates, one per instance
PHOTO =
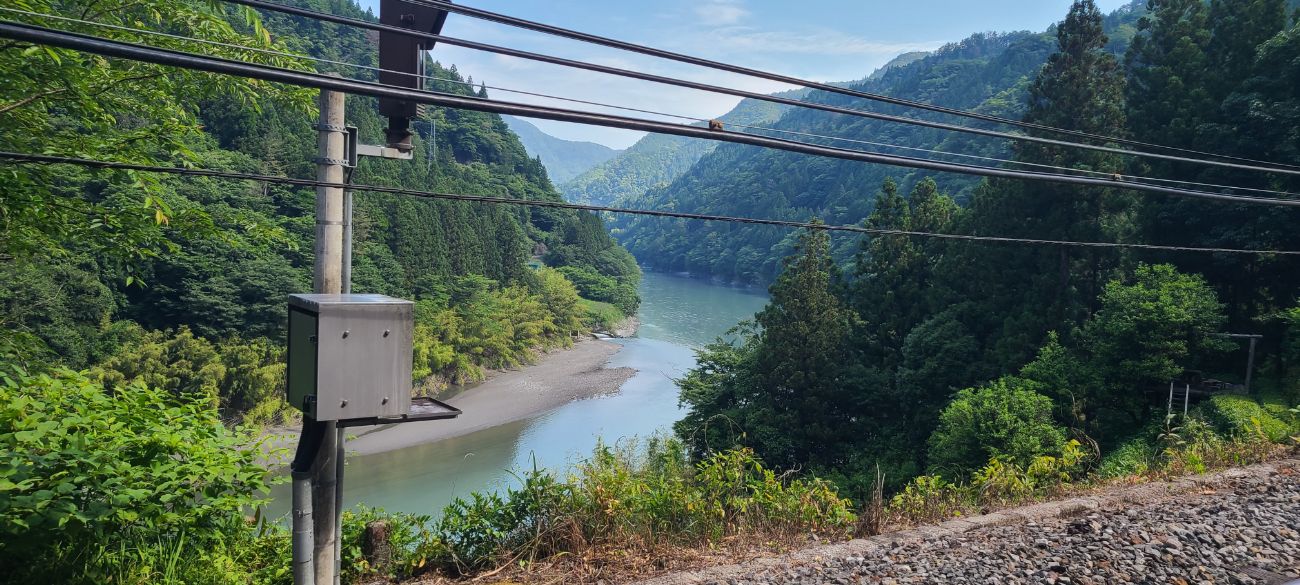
(328, 279)
(320, 565)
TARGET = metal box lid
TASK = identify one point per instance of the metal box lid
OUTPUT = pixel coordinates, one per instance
(318, 303)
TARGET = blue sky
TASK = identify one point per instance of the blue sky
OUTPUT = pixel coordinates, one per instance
(823, 40)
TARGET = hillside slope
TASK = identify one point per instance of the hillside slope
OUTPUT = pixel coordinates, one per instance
(656, 160)
(563, 159)
(986, 72)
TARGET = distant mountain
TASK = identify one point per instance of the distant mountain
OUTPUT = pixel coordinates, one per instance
(563, 159)
(900, 61)
(658, 159)
(988, 73)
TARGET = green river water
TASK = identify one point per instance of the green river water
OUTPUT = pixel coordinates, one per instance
(678, 315)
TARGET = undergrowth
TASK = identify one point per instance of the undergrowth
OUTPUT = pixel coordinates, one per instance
(632, 498)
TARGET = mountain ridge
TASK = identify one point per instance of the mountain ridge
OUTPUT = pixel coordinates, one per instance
(563, 159)
(986, 72)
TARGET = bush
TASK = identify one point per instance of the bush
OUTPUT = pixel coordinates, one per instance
(487, 529)
(598, 316)
(135, 486)
(928, 498)
(1005, 420)
(598, 287)
(1134, 457)
(633, 497)
(1240, 417)
(406, 549)
(1194, 447)
(1004, 481)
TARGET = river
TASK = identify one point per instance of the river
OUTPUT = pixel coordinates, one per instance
(678, 315)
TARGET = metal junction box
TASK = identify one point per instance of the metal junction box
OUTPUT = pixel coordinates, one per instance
(350, 356)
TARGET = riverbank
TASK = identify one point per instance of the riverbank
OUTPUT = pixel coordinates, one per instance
(557, 378)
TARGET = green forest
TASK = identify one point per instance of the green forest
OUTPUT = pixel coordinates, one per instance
(952, 362)
(890, 380)
(137, 311)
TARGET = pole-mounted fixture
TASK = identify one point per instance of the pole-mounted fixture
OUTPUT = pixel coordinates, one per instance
(401, 62)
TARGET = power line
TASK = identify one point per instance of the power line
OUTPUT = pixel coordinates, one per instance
(23, 158)
(1009, 161)
(742, 93)
(626, 108)
(76, 41)
(337, 63)
(631, 109)
(717, 65)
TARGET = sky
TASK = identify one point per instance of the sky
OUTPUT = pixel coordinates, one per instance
(821, 40)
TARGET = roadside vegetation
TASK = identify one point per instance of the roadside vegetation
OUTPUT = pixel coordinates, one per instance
(141, 318)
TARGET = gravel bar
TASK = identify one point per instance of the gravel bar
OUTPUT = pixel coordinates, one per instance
(1235, 527)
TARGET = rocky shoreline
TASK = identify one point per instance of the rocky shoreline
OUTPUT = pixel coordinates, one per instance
(1241, 526)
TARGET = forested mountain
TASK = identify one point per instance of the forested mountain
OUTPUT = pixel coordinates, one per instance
(900, 61)
(987, 72)
(563, 159)
(994, 363)
(656, 159)
(216, 259)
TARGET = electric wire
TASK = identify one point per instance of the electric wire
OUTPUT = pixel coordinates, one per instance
(337, 63)
(1294, 171)
(717, 65)
(1125, 176)
(44, 159)
(626, 108)
(135, 51)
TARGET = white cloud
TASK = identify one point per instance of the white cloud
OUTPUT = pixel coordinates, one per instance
(819, 42)
(721, 12)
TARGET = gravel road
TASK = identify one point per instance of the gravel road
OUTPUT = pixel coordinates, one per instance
(1239, 527)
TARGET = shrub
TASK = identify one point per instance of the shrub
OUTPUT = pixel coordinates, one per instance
(1005, 481)
(1241, 417)
(595, 286)
(406, 550)
(1005, 420)
(598, 316)
(633, 497)
(99, 487)
(928, 498)
(521, 526)
(1195, 447)
(1134, 457)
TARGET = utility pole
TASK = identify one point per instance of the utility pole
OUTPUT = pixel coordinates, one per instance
(328, 279)
(316, 467)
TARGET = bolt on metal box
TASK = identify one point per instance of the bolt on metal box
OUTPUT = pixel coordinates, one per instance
(350, 355)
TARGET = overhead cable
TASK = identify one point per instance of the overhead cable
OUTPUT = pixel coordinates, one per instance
(1123, 176)
(717, 65)
(25, 158)
(77, 41)
(262, 4)
(336, 63)
(260, 50)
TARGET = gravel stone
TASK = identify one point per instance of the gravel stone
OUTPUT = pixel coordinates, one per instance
(1244, 530)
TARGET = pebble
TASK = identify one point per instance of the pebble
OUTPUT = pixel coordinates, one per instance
(1246, 526)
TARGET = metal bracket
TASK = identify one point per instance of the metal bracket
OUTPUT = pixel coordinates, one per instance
(352, 146)
(384, 152)
(330, 128)
(331, 161)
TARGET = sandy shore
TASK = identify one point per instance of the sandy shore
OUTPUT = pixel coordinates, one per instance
(557, 378)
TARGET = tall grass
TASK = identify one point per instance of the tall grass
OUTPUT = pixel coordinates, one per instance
(633, 498)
